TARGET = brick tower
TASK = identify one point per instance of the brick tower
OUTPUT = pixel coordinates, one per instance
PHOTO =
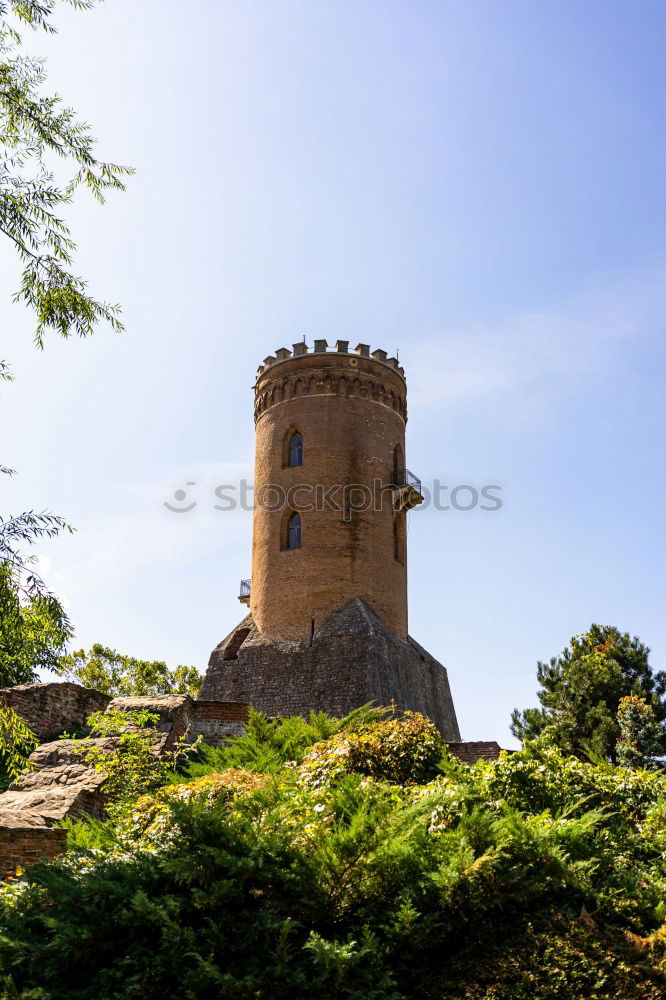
(327, 627)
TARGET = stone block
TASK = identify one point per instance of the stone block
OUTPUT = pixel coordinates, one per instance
(54, 707)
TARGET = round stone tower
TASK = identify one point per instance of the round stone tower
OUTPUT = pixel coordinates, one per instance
(327, 622)
(331, 489)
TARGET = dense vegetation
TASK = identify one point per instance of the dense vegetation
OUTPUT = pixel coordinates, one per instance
(17, 742)
(355, 860)
(582, 690)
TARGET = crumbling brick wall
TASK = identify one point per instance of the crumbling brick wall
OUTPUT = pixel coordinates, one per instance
(23, 843)
(61, 783)
(53, 708)
(469, 752)
(174, 711)
(218, 721)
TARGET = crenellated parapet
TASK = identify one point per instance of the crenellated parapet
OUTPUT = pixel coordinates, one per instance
(321, 347)
(359, 373)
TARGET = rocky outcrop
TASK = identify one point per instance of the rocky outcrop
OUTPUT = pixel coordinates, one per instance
(58, 783)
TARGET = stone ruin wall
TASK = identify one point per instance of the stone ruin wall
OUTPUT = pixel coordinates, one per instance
(21, 846)
(218, 721)
(54, 708)
(60, 784)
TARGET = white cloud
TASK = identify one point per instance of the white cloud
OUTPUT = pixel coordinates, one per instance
(522, 362)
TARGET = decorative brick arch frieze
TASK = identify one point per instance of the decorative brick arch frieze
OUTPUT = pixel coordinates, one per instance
(334, 384)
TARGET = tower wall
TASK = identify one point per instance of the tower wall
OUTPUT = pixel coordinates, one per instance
(352, 660)
(350, 410)
(327, 628)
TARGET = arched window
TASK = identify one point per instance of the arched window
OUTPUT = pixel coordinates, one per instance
(294, 532)
(399, 538)
(296, 449)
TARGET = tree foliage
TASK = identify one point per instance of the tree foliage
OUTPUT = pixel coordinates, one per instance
(46, 155)
(34, 629)
(20, 583)
(357, 882)
(119, 675)
(641, 739)
(17, 741)
(581, 690)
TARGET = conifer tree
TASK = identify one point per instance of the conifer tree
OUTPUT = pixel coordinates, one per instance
(640, 743)
(581, 690)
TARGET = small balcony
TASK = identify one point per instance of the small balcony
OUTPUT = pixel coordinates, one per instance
(405, 489)
(244, 593)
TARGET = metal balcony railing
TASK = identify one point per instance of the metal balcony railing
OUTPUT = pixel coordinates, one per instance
(403, 477)
(244, 588)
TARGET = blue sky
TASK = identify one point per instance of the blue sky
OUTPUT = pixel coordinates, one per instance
(479, 184)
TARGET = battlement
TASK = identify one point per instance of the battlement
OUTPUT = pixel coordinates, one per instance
(321, 347)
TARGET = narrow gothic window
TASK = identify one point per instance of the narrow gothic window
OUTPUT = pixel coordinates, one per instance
(397, 466)
(296, 450)
(294, 533)
(399, 539)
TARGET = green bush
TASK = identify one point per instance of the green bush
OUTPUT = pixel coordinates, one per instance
(405, 751)
(348, 874)
(268, 744)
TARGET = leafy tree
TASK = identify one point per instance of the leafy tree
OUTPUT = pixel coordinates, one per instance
(34, 629)
(37, 134)
(640, 743)
(125, 676)
(17, 741)
(38, 131)
(581, 690)
(34, 624)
